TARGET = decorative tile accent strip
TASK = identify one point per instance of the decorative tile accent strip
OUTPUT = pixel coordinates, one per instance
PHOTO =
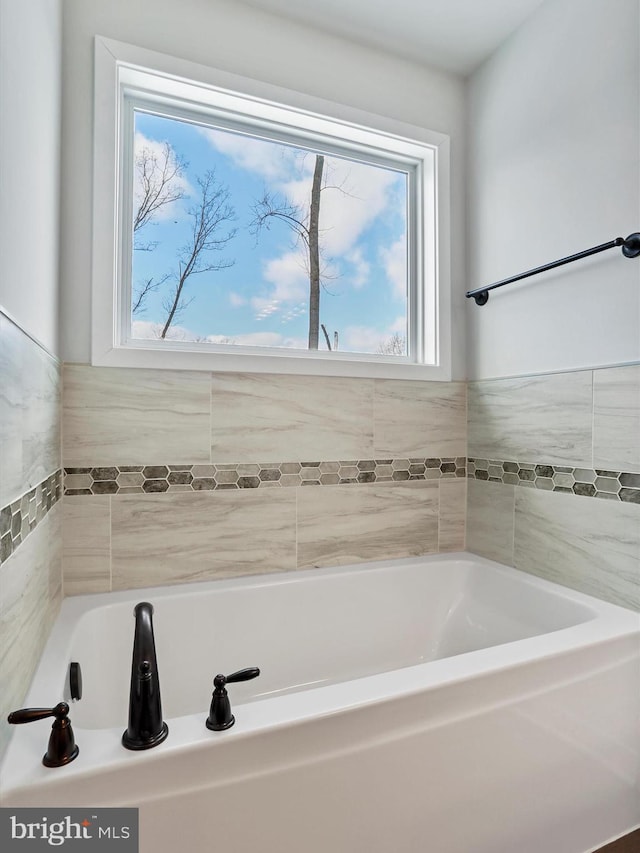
(159, 479)
(140, 479)
(588, 482)
(19, 518)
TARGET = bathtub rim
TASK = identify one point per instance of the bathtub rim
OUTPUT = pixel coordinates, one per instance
(73, 607)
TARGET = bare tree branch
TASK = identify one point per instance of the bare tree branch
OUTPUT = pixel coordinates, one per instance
(146, 247)
(272, 206)
(326, 335)
(139, 297)
(208, 217)
(395, 345)
(158, 177)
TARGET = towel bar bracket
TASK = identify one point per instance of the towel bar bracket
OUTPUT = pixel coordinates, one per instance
(631, 246)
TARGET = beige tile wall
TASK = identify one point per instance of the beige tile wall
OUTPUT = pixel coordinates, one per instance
(427, 420)
(616, 418)
(272, 418)
(114, 415)
(585, 543)
(584, 418)
(490, 513)
(119, 417)
(588, 543)
(452, 515)
(165, 539)
(533, 418)
(31, 593)
(354, 523)
(87, 544)
(31, 576)
(29, 413)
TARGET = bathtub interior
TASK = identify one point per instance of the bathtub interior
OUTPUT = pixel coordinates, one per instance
(307, 630)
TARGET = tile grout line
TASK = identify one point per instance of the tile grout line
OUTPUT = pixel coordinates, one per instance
(297, 493)
(466, 512)
(210, 417)
(593, 419)
(110, 543)
(466, 456)
(439, 512)
(513, 529)
(374, 393)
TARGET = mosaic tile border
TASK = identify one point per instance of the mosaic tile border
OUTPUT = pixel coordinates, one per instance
(161, 479)
(19, 518)
(588, 482)
(141, 479)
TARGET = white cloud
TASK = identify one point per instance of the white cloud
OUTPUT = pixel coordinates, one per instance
(361, 268)
(369, 339)
(394, 260)
(264, 307)
(252, 339)
(288, 276)
(345, 217)
(295, 312)
(355, 195)
(361, 339)
(146, 330)
(260, 303)
(237, 301)
(270, 160)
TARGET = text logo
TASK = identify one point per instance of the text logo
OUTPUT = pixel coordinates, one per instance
(69, 829)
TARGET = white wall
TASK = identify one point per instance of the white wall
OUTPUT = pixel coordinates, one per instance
(30, 59)
(242, 40)
(554, 168)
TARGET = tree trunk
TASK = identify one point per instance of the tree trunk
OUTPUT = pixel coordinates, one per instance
(314, 254)
(174, 307)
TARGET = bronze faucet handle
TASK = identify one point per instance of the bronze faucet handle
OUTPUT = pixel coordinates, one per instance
(62, 747)
(240, 675)
(220, 716)
(30, 715)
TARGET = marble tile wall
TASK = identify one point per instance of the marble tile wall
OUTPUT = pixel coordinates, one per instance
(554, 478)
(29, 413)
(30, 511)
(349, 524)
(534, 418)
(189, 476)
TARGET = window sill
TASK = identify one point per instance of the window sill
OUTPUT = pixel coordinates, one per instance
(310, 364)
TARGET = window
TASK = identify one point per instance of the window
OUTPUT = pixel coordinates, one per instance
(251, 228)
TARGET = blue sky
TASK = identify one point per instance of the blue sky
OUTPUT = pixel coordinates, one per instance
(262, 299)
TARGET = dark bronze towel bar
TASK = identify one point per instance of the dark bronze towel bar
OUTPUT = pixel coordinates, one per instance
(630, 249)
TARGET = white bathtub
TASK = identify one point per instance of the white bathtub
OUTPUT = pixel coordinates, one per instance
(443, 704)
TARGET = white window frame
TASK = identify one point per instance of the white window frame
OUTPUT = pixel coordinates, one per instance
(124, 72)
